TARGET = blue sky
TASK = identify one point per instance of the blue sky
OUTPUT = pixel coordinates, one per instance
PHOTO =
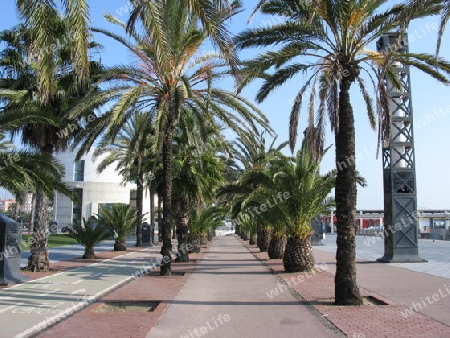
(431, 106)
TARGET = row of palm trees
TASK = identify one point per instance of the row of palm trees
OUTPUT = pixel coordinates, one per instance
(281, 197)
(49, 80)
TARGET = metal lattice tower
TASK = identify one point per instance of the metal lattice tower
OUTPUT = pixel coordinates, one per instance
(399, 172)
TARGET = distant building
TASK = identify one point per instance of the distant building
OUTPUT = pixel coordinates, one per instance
(91, 189)
(5, 205)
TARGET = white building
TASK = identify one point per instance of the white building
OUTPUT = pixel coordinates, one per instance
(91, 188)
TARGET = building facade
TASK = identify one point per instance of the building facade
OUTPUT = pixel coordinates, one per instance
(91, 189)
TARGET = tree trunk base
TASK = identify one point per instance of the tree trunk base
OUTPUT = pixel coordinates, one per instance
(166, 264)
(298, 255)
(251, 240)
(195, 242)
(120, 246)
(38, 262)
(89, 253)
(244, 235)
(182, 255)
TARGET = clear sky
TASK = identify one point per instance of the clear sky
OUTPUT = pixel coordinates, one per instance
(431, 106)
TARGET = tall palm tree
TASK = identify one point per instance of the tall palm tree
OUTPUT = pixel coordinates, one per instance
(335, 39)
(171, 79)
(129, 150)
(38, 118)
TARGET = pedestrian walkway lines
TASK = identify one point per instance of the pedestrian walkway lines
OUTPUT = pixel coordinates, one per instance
(32, 306)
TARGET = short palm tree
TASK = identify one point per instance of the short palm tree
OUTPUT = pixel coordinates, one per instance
(89, 234)
(171, 80)
(331, 42)
(292, 191)
(121, 219)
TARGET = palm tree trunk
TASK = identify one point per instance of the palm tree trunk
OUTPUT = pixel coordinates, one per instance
(264, 238)
(182, 232)
(139, 205)
(166, 250)
(195, 242)
(89, 253)
(38, 260)
(346, 290)
(33, 211)
(251, 239)
(159, 218)
(298, 255)
(152, 212)
(277, 246)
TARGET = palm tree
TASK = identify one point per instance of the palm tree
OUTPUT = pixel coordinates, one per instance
(445, 15)
(22, 98)
(197, 173)
(39, 17)
(211, 14)
(444, 12)
(334, 37)
(201, 220)
(89, 234)
(21, 170)
(120, 219)
(250, 151)
(129, 150)
(172, 78)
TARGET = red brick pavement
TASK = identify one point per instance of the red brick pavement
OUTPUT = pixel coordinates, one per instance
(369, 320)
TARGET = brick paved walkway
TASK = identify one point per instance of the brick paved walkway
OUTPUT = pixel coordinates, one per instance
(235, 279)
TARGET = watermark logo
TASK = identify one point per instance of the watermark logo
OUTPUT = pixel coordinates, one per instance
(208, 327)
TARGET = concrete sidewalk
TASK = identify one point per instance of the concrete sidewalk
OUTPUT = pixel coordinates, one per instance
(227, 296)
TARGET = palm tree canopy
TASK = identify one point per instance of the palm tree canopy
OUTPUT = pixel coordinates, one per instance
(289, 191)
(24, 112)
(26, 169)
(179, 76)
(334, 39)
(211, 13)
(39, 16)
(120, 218)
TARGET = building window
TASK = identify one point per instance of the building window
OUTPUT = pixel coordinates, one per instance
(77, 205)
(78, 173)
